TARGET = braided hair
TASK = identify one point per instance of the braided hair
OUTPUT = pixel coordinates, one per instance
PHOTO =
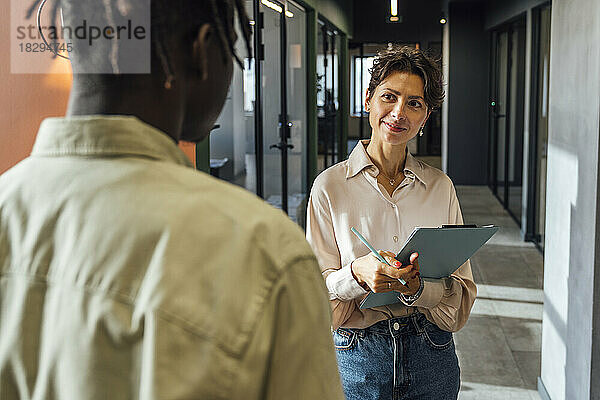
(167, 13)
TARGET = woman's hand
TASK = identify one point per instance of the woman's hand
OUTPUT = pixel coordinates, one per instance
(380, 277)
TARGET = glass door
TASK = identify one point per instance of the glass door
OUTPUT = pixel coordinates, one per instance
(271, 84)
(499, 107)
(283, 85)
(296, 86)
(492, 111)
(507, 117)
(542, 124)
(232, 141)
(516, 119)
(540, 72)
(259, 141)
(327, 95)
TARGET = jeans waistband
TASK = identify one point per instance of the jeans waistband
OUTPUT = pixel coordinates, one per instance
(412, 324)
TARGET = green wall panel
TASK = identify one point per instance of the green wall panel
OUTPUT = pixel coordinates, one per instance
(338, 12)
(203, 155)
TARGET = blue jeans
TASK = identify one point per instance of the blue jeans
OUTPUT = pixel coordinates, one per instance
(401, 359)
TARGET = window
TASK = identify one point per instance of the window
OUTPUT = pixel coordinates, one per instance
(364, 63)
(248, 78)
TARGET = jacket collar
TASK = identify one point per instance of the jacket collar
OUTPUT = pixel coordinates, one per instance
(105, 135)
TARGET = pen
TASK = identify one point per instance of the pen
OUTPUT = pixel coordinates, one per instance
(379, 256)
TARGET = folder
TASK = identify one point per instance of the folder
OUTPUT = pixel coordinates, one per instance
(441, 252)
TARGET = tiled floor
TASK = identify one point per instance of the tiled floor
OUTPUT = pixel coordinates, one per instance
(499, 348)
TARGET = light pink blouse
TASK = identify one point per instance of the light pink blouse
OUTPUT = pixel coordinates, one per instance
(348, 195)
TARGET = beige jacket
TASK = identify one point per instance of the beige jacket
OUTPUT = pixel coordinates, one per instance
(126, 274)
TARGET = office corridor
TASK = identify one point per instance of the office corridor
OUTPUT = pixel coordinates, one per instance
(499, 348)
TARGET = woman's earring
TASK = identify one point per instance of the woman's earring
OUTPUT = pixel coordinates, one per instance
(421, 131)
(169, 82)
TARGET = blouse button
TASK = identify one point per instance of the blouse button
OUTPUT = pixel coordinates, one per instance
(396, 239)
(396, 326)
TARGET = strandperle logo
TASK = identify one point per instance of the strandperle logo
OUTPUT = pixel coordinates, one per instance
(84, 31)
(114, 40)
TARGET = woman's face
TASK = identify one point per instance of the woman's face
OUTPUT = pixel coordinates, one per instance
(397, 108)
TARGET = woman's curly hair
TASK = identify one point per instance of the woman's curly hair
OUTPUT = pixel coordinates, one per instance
(414, 61)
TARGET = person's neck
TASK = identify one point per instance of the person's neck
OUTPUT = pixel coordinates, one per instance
(155, 106)
(389, 159)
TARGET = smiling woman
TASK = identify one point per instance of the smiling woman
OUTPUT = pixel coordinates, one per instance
(397, 108)
(403, 350)
(405, 87)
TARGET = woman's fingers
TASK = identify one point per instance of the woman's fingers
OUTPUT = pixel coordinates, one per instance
(387, 253)
(385, 278)
(391, 259)
(389, 256)
(414, 259)
(395, 272)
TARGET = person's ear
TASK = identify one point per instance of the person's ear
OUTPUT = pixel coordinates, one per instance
(367, 101)
(200, 50)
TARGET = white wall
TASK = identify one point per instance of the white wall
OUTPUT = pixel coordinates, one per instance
(568, 340)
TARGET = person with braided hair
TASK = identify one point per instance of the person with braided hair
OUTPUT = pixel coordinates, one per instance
(124, 272)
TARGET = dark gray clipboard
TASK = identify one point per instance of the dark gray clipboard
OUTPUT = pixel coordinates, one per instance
(441, 252)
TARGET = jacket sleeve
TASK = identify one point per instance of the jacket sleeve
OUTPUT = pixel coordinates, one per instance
(293, 340)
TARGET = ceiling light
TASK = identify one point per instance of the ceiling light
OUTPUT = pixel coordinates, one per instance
(394, 8)
(277, 7)
(272, 5)
(443, 19)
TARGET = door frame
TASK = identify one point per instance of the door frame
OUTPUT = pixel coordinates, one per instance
(504, 198)
(331, 35)
(531, 232)
(284, 122)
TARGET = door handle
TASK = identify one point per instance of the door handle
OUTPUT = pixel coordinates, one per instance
(281, 146)
(494, 105)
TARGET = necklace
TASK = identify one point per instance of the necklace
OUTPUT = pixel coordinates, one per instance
(392, 181)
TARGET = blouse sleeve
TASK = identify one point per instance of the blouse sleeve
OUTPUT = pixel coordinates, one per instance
(448, 302)
(341, 285)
